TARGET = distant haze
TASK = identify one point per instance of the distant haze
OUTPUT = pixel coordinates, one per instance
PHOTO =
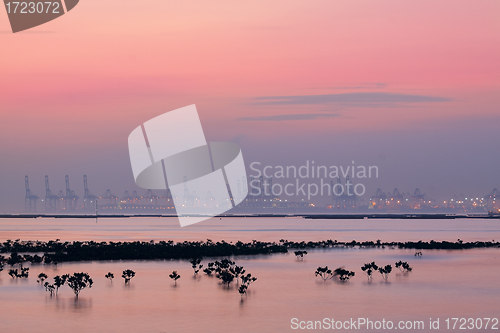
(409, 87)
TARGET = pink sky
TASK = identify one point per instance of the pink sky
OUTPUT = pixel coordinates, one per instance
(92, 75)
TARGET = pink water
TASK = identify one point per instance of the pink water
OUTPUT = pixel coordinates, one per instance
(443, 283)
(247, 229)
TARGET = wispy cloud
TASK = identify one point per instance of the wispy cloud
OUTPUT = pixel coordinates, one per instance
(376, 85)
(361, 99)
(285, 117)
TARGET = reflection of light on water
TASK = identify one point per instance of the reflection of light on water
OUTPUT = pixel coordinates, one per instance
(18, 281)
(128, 286)
(285, 287)
(80, 304)
(73, 304)
(249, 228)
(152, 303)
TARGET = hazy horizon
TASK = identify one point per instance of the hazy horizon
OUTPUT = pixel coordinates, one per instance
(411, 88)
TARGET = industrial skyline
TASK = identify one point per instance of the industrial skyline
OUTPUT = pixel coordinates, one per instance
(161, 202)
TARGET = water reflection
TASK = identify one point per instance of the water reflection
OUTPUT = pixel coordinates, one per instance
(442, 283)
(18, 281)
(128, 286)
(263, 229)
(73, 304)
(285, 288)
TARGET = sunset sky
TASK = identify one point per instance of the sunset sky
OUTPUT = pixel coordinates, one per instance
(412, 87)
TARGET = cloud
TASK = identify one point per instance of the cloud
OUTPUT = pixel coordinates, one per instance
(361, 99)
(285, 117)
(376, 85)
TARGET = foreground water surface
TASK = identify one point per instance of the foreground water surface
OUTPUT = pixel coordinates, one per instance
(443, 284)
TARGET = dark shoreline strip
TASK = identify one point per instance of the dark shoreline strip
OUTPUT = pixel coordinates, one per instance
(440, 216)
(56, 251)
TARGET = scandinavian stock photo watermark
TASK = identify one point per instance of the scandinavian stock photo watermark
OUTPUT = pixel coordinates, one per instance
(309, 179)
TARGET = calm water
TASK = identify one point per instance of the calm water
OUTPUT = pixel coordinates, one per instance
(247, 229)
(443, 283)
